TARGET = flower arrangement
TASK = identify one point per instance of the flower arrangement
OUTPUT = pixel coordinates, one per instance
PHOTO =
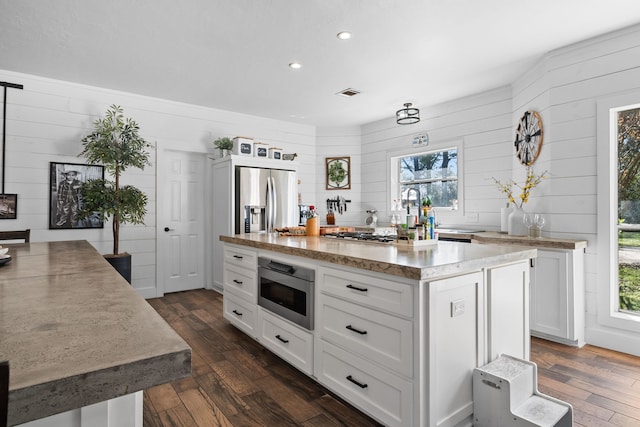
(530, 183)
(311, 213)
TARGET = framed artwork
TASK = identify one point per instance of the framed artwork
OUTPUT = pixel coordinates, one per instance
(338, 173)
(8, 206)
(65, 195)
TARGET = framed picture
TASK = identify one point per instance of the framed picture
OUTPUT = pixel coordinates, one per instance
(338, 173)
(8, 206)
(65, 195)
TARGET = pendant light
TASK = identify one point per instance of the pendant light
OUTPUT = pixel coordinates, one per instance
(407, 115)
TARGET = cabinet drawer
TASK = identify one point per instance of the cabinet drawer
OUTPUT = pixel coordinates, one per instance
(290, 342)
(243, 282)
(374, 292)
(243, 258)
(380, 337)
(379, 393)
(240, 313)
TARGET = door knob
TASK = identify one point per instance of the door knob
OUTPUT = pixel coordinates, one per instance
(167, 229)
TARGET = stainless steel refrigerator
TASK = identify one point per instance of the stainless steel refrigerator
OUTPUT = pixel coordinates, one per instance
(265, 199)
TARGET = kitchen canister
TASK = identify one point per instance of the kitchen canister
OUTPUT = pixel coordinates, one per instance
(260, 149)
(242, 146)
(313, 226)
(275, 153)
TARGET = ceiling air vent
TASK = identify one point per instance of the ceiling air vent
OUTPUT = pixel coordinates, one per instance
(348, 92)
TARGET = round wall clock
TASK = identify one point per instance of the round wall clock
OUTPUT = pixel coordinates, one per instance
(528, 137)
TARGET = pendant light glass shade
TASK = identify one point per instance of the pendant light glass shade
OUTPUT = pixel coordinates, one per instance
(407, 115)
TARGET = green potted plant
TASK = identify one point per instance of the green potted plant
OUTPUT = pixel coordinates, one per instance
(115, 143)
(225, 145)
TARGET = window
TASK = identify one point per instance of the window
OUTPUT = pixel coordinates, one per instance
(615, 157)
(429, 176)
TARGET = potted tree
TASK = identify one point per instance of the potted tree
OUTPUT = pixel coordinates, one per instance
(115, 143)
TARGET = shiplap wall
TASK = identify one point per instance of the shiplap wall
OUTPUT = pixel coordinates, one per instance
(47, 120)
(564, 87)
(569, 85)
(340, 142)
(482, 123)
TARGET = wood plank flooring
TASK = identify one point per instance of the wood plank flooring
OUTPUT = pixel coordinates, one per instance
(236, 382)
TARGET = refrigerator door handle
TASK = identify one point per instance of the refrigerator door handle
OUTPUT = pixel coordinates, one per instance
(274, 204)
(269, 208)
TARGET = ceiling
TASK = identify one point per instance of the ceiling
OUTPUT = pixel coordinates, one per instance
(234, 54)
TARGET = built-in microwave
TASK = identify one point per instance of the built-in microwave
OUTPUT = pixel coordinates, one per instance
(286, 290)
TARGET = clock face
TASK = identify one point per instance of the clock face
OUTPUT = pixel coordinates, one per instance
(528, 137)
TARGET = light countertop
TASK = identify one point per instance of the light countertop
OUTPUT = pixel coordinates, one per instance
(75, 332)
(445, 258)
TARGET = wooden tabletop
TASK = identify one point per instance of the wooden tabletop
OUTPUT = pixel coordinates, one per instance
(75, 332)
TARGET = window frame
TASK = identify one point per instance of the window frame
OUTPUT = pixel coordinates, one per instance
(393, 191)
(609, 313)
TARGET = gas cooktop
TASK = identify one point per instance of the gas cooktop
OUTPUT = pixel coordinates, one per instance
(361, 237)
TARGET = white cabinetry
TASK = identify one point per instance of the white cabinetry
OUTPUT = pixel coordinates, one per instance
(289, 341)
(366, 342)
(240, 278)
(557, 296)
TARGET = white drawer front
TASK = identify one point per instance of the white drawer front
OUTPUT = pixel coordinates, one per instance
(379, 393)
(240, 313)
(286, 340)
(244, 258)
(380, 337)
(374, 292)
(243, 282)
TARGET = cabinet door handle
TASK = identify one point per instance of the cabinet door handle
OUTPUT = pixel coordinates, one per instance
(237, 313)
(237, 282)
(351, 328)
(350, 286)
(282, 339)
(356, 382)
(532, 262)
(237, 256)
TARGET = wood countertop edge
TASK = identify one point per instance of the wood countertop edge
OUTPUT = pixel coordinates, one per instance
(537, 242)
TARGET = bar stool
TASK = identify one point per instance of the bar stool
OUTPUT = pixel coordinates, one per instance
(4, 393)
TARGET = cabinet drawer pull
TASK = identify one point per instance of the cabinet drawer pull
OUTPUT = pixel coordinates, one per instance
(282, 339)
(350, 286)
(351, 328)
(237, 257)
(356, 382)
(237, 282)
(237, 313)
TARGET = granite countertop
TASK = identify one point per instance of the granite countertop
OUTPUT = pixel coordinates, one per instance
(75, 332)
(445, 258)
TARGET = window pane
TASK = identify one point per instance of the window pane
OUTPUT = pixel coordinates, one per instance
(629, 210)
(433, 175)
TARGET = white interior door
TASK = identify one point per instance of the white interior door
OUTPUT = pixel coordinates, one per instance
(181, 221)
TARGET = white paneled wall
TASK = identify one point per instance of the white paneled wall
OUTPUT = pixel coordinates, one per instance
(47, 120)
(482, 122)
(340, 142)
(570, 82)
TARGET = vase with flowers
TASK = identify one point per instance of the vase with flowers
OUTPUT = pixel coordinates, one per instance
(516, 224)
(313, 224)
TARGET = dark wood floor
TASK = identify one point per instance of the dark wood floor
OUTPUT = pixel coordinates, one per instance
(236, 382)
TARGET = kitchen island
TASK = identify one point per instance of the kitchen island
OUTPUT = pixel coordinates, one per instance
(80, 341)
(397, 331)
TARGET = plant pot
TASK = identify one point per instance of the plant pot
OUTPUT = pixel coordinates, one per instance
(122, 264)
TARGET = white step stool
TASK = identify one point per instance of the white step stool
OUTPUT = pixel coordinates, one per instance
(505, 394)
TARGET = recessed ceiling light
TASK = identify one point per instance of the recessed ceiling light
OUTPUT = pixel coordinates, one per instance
(344, 35)
(295, 65)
